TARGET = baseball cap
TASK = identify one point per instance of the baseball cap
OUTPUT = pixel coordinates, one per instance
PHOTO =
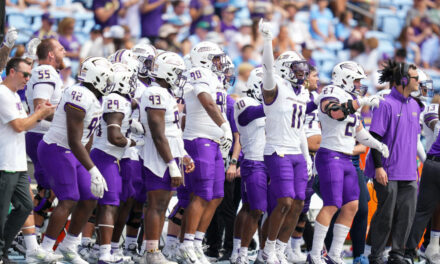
(46, 16)
(117, 32)
(167, 29)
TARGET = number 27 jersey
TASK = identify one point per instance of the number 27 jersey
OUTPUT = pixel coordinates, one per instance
(337, 135)
(82, 99)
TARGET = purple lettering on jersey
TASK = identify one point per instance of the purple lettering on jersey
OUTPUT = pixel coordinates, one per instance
(44, 74)
(155, 99)
(76, 96)
(176, 118)
(221, 101)
(296, 116)
(313, 115)
(196, 75)
(93, 124)
(241, 104)
(113, 102)
(328, 90)
(19, 106)
(349, 129)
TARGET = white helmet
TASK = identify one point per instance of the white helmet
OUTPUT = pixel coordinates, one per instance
(229, 74)
(97, 71)
(170, 67)
(208, 55)
(254, 84)
(426, 86)
(124, 56)
(345, 73)
(145, 54)
(292, 66)
(124, 79)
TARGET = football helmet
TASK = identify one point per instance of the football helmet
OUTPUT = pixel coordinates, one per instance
(292, 66)
(97, 71)
(426, 86)
(254, 84)
(145, 54)
(124, 79)
(345, 73)
(209, 55)
(170, 67)
(229, 74)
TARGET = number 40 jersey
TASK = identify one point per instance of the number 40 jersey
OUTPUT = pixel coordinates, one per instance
(81, 99)
(337, 135)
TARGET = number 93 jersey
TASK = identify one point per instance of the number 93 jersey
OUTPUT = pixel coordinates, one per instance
(285, 119)
(198, 123)
(113, 103)
(337, 135)
(81, 99)
(45, 84)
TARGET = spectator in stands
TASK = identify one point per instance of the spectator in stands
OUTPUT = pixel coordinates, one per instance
(113, 40)
(247, 54)
(200, 10)
(244, 70)
(151, 18)
(434, 13)
(240, 38)
(322, 22)
(419, 9)
(343, 28)
(370, 56)
(20, 4)
(227, 26)
(106, 12)
(282, 42)
(429, 50)
(46, 27)
(168, 39)
(200, 34)
(405, 41)
(93, 47)
(298, 30)
(43, 4)
(67, 39)
(130, 16)
(179, 16)
(259, 8)
(128, 42)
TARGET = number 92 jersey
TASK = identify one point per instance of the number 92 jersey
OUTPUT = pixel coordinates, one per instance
(285, 119)
(337, 135)
(81, 99)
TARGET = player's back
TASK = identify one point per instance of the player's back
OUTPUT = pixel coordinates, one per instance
(79, 98)
(337, 135)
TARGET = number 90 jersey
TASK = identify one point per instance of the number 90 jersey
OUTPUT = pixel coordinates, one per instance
(113, 103)
(198, 123)
(82, 99)
(337, 135)
(285, 119)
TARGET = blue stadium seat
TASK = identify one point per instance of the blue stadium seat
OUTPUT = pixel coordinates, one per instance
(16, 18)
(403, 4)
(381, 13)
(325, 61)
(379, 35)
(59, 15)
(334, 47)
(303, 16)
(84, 21)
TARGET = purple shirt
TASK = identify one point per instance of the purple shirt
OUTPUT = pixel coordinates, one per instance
(152, 21)
(396, 120)
(208, 18)
(224, 27)
(70, 45)
(107, 4)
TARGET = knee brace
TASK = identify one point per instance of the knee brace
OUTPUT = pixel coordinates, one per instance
(176, 220)
(302, 217)
(43, 205)
(134, 219)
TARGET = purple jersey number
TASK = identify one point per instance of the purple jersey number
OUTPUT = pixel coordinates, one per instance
(296, 116)
(155, 99)
(44, 74)
(76, 96)
(241, 104)
(111, 103)
(221, 99)
(176, 118)
(196, 75)
(349, 129)
(93, 124)
(313, 115)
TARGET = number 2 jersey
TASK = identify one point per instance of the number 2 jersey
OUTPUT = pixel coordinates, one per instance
(198, 123)
(45, 84)
(337, 135)
(113, 103)
(156, 97)
(285, 119)
(82, 99)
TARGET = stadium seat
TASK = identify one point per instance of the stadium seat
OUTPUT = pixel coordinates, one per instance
(325, 61)
(84, 21)
(303, 16)
(16, 18)
(381, 13)
(392, 25)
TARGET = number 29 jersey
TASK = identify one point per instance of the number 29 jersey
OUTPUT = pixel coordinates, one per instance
(337, 135)
(285, 119)
(82, 99)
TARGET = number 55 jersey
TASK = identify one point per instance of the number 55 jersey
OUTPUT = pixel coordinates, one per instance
(82, 99)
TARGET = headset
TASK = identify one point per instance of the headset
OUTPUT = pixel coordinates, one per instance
(403, 74)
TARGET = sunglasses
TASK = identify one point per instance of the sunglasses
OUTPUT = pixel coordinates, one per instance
(25, 74)
(415, 78)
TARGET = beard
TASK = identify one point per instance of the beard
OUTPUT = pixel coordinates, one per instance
(60, 64)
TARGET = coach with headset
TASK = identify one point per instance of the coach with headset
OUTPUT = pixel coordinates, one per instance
(396, 123)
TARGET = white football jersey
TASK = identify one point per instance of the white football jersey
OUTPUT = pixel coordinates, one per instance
(312, 126)
(337, 135)
(198, 124)
(252, 136)
(156, 97)
(113, 103)
(285, 119)
(429, 114)
(81, 98)
(46, 84)
(133, 152)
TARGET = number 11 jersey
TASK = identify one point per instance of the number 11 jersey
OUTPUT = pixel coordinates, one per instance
(337, 135)
(81, 99)
(285, 119)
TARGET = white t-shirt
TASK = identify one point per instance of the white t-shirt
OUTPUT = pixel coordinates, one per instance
(337, 135)
(81, 98)
(12, 144)
(285, 119)
(45, 84)
(113, 103)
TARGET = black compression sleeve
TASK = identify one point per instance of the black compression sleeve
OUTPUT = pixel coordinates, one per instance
(377, 156)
